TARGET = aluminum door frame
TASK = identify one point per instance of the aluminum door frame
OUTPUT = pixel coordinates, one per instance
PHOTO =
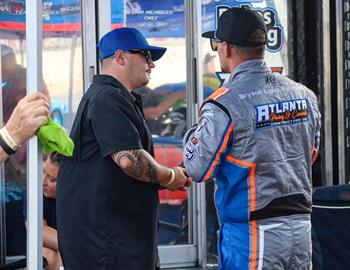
(89, 34)
(34, 157)
(340, 91)
(2, 192)
(327, 159)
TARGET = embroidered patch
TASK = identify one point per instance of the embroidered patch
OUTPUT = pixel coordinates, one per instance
(282, 113)
(194, 140)
(270, 79)
(200, 126)
(190, 146)
(189, 156)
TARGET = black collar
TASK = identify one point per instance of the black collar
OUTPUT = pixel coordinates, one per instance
(107, 79)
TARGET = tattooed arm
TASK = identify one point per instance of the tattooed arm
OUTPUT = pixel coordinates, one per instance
(139, 164)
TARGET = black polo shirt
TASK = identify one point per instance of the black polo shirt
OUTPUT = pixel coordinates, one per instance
(106, 219)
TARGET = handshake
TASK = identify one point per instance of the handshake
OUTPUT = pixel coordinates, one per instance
(179, 179)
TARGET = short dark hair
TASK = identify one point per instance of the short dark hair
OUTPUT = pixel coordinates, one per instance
(258, 36)
(56, 158)
(256, 52)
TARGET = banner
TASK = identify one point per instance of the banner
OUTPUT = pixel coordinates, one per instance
(153, 18)
(58, 15)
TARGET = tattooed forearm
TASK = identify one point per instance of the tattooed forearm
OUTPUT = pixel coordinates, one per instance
(137, 164)
(152, 173)
(136, 168)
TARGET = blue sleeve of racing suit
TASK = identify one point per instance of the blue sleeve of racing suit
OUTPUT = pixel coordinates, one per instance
(206, 143)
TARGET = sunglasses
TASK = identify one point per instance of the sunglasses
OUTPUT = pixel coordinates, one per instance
(146, 54)
(214, 44)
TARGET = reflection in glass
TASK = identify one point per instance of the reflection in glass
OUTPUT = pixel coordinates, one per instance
(13, 76)
(62, 76)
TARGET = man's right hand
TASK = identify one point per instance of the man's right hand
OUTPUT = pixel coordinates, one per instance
(181, 179)
(30, 113)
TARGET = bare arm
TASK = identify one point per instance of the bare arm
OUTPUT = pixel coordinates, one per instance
(140, 165)
(49, 237)
(163, 107)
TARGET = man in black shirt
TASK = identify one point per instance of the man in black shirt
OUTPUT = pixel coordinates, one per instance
(107, 194)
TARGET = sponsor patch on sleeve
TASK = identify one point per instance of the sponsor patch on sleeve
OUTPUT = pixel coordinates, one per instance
(190, 148)
(200, 126)
(282, 113)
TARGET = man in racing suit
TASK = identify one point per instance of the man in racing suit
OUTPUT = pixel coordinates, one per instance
(258, 135)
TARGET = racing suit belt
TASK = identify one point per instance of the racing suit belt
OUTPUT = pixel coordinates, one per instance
(284, 206)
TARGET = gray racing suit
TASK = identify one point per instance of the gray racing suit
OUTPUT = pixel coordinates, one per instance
(258, 135)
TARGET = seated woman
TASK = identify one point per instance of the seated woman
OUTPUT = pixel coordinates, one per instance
(50, 243)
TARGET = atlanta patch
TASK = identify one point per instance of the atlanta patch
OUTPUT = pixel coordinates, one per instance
(282, 113)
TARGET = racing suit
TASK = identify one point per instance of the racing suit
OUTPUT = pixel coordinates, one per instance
(258, 135)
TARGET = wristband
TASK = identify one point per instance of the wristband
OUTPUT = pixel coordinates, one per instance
(8, 139)
(172, 178)
(8, 150)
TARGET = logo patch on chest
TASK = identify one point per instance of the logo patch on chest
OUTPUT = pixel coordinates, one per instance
(282, 113)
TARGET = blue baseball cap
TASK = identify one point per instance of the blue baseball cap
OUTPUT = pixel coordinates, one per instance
(126, 39)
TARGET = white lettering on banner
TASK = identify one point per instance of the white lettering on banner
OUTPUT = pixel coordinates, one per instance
(273, 26)
(159, 12)
(150, 18)
(267, 18)
(137, 12)
(272, 38)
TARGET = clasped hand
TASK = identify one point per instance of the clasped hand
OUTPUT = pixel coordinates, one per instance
(182, 179)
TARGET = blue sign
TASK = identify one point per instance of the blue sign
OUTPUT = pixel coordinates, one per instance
(58, 15)
(156, 18)
(275, 37)
(153, 18)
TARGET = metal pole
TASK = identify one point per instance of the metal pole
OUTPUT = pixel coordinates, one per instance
(34, 160)
(326, 82)
(2, 192)
(198, 69)
(88, 18)
(194, 98)
(191, 116)
(340, 90)
(71, 72)
(104, 17)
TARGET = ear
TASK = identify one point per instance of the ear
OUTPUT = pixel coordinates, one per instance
(228, 50)
(119, 57)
